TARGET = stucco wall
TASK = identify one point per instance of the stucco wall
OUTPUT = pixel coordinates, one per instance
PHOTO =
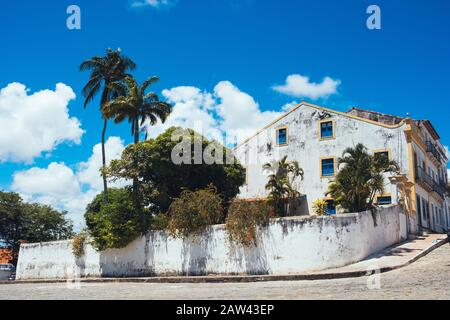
(289, 245)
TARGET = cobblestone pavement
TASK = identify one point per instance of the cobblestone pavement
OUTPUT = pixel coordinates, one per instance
(428, 278)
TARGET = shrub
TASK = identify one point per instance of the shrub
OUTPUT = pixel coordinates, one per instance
(116, 222)
(245, 217)
(194, 211)
(78, 243)
(320, 207)
(159, 222)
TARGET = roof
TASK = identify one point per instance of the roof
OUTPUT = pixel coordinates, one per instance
(431, 129)
(376, 116)
(345, 114)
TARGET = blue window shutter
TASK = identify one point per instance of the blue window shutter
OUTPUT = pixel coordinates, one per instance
(326, 129)
(282, 136)
(331, 208)
(327, 167)
(384, 200)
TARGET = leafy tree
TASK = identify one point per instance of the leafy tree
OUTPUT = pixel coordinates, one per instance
(104, 72)
(360, 178)
(30, 222)
(116, 223)
(136, 105)
(161, 179)
(281, 182)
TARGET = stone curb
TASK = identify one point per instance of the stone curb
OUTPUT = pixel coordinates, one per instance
(236, 279)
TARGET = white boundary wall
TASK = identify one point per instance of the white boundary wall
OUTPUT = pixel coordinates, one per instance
(288, 245)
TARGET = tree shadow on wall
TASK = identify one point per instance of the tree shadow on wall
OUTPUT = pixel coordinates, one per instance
(196, 251)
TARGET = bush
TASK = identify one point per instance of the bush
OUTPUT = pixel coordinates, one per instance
(78, 243)
(159, 222)
(320, 207)
(245, 217)
(116, 222)
(194, 211)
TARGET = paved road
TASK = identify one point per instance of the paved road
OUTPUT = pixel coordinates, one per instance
(428, 278)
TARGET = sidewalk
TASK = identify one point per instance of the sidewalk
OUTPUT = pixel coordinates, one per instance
(389, 259)
(394, 257)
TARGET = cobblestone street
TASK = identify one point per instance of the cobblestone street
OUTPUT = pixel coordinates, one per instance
(428, 278)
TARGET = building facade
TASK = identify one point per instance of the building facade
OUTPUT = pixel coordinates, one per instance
(316, 137)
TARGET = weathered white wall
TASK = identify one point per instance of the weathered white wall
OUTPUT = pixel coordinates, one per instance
(290, 245)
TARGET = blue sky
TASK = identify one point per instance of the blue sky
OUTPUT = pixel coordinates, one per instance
(231, 50)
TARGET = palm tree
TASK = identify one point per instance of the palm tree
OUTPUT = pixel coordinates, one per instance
(136, 105)
(105, 70)
(360, 178)
(281, 181)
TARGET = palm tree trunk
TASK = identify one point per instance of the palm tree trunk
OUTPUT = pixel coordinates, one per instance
(137, 201)
(136, 131)
(105, 183)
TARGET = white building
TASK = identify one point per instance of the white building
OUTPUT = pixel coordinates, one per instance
(316, 136)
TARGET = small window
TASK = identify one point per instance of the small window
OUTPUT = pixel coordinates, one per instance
(331, 207)
(326, 130)
(384, 200)
(382, 154)
(282, 136)
(328, 167)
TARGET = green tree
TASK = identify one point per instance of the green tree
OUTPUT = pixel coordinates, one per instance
(136, 105)
(161, 179)
(105, 71)
(116, 223)
(30, 222)
(281, 182)
(360, 178)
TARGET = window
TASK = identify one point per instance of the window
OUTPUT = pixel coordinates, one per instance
(326, 130)
(327, 167)
(419, 209)
(385, 153)
(384, 200)
(331, 207)
(426, 209)
(282, 136)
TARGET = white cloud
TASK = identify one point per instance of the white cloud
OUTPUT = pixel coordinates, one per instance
(32, 124)
(151, 3)
(299, 86)
(64, 188)
(289, 106)
(56, 180)
(89, 172)
(226, 111)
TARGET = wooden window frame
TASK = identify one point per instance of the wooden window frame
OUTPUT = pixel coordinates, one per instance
(388, 150)
(321, 167)
(320, 130)
(382, 196)
(276, 136)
